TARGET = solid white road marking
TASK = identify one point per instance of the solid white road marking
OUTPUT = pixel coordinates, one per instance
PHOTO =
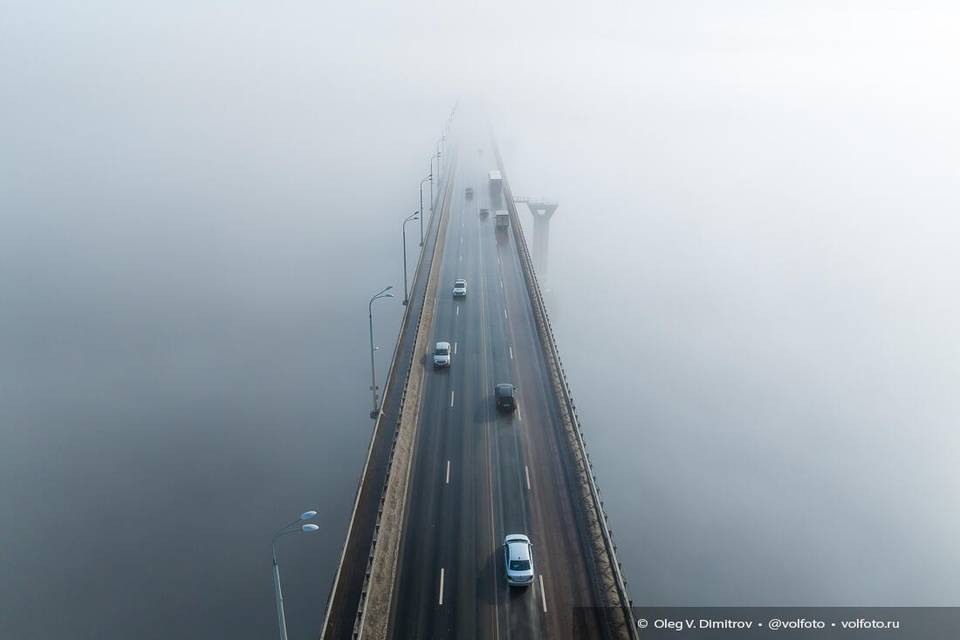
(441, 588)
(526, 472)
(448, 475)
(511, 352)
(451, 398)
(543, 596)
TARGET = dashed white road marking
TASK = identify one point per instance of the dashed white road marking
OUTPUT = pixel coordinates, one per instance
(448, 475)
(501, 284)
(498, 260)
(543, 596)
(455, 348)
(458, 310)
(441, 588)
(511, 352)
(451, 398)
(526, 472)
(505, 314)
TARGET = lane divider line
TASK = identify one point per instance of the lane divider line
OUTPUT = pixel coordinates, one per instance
(511, 352)
(543, 595)
(448, 475)
(526, 472)
(451, 398)
(505, 314)
(441, 589)
(455, 348)
(458, 309)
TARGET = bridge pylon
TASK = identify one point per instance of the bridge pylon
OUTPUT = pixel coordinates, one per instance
(542, 210)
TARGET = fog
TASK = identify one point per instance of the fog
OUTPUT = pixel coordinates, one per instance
(753, 280)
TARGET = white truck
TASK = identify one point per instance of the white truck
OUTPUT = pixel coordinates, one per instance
(496, 187)
(496, 180)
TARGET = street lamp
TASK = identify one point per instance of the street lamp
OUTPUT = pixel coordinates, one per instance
(412, 216)
(430, 178)
(307, 528)
(431, 182)
(439, 159)
(373, 370)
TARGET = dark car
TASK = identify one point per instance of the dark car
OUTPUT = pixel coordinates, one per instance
(504, 395)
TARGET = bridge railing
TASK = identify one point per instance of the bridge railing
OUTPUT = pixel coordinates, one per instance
(622, 600)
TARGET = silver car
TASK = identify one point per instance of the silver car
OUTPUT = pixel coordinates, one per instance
(460, 288)
(441, 355)
(518, 558)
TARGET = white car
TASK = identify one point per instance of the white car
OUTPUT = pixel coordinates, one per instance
(441, 355)
(518, 557)
(460, 288)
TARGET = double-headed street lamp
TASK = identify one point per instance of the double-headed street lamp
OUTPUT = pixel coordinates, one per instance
(373, 369)
(290, 528)
(432, 174)
(440, 158)
(430, 178)
(412, 216)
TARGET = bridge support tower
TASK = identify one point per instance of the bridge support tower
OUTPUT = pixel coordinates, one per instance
(542, 212)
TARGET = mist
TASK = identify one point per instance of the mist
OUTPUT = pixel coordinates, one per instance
(753, 281)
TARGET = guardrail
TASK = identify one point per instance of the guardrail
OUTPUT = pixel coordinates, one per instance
(536, 296)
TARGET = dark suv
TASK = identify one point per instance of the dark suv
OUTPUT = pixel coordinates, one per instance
(504, 394)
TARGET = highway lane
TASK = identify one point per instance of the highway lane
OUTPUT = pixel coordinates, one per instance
(479, 474)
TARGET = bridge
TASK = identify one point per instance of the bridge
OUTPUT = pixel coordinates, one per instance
(447, 475)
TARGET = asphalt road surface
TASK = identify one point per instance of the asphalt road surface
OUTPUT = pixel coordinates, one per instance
(480, 474)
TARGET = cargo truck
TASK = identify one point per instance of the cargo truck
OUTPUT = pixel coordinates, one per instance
(496, 186)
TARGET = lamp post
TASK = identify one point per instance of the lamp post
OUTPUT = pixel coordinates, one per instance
(430, 178)
(412, 216)
(307, 528)
(431, 182)
(373, 370)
